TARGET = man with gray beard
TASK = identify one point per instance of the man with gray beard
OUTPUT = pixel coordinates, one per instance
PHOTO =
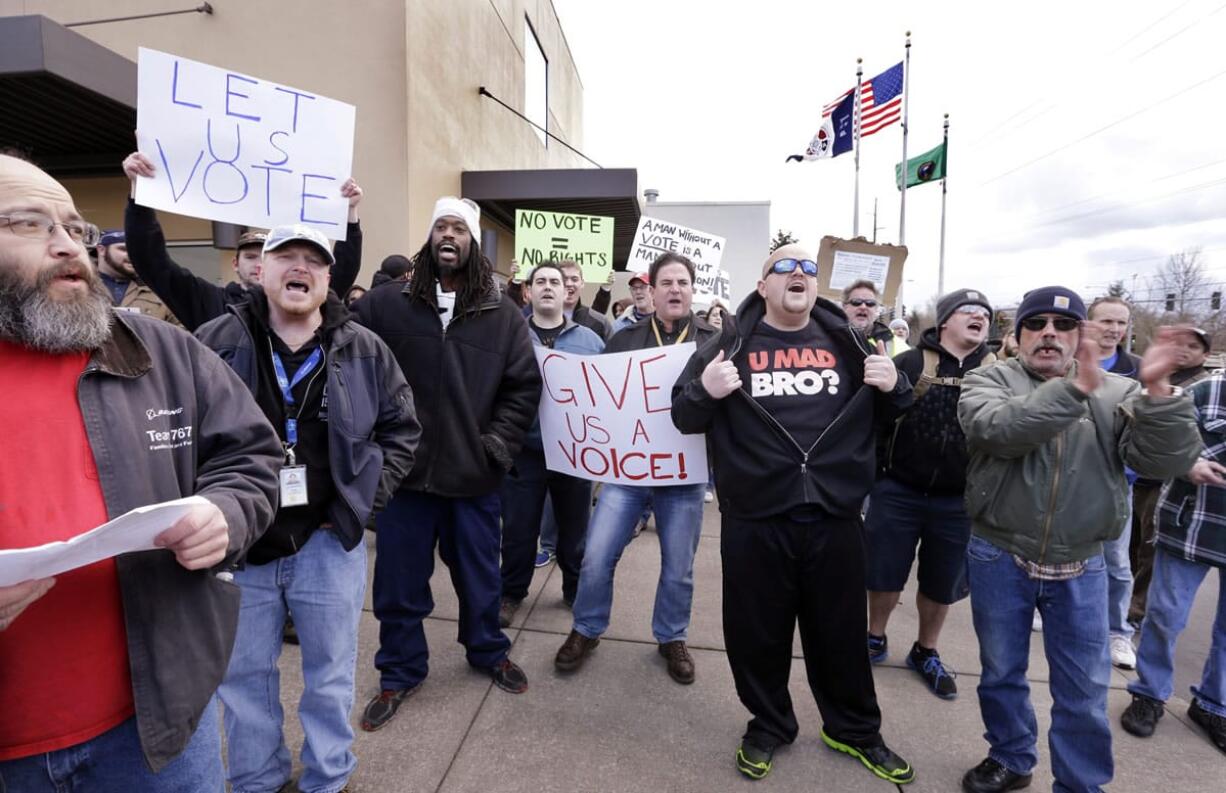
(104, 413)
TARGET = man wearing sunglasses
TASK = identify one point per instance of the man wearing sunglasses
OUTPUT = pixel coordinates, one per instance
(863, 305)
(788, 395)
(919, 500)
(1049, 435)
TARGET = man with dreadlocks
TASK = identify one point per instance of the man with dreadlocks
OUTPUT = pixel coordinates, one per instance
(465, 351)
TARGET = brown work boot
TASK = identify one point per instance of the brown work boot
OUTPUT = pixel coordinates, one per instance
(574, 651)
(680, 662)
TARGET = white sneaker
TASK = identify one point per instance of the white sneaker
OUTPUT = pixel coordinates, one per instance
(708, 497)
(1036, 624)
(1122, 654)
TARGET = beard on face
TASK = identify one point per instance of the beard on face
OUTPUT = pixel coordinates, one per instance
(117, 264)
(30, 316)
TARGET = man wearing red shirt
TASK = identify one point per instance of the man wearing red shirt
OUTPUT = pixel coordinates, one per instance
(109, 670)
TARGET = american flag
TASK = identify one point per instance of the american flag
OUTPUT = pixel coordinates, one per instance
(880, 101)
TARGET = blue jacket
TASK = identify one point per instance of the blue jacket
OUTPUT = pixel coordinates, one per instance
(576, 340)
(372, 425)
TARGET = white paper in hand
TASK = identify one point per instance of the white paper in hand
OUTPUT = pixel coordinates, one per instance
(132, 531)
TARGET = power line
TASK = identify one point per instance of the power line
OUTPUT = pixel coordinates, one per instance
(1104, 128)
(1177, 33)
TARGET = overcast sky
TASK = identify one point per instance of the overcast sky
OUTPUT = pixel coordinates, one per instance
(1087, 140)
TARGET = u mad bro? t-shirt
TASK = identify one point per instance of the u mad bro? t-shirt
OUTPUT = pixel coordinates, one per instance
(797, 377)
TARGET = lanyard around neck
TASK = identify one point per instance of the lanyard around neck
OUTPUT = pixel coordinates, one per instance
(655, 326)
(286, 385)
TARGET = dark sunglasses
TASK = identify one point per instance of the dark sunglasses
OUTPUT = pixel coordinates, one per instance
(859, 301)
(1062, 324)
(787, 266)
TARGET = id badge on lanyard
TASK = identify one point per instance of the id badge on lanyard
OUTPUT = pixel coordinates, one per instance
(293, 477)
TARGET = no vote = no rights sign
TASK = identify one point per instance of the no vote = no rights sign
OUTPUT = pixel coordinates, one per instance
(239, 149)
(556, 237)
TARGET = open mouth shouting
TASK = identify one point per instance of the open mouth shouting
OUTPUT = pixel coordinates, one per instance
(797, 287)
(976, 326)
(447, 252)
(295, 285)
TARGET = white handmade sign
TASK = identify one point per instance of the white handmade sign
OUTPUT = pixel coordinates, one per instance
(238, 149)
(608, 417)
(654, 237)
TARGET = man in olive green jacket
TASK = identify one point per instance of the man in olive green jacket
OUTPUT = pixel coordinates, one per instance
(1049, 435)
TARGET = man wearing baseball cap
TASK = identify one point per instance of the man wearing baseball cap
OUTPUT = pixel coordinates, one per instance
(918, 501)
(1049, 434)
(195, 300)
(465, 350)
(126, 290)
(788, 395)
(642, 305)
(344, 413)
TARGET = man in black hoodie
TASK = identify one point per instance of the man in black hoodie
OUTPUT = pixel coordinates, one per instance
(464, 349)
(918, 500)
(345, 416)
(788, 395)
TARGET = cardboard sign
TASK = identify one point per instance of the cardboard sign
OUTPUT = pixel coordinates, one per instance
(654, 237)
(607, 417)
(238, 149)
(842, 262)
(555, 237)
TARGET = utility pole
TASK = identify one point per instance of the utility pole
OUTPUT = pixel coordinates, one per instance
(876, 228)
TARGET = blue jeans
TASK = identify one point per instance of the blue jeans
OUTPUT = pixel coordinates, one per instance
(468, 534)
(323, 585)
(1171, 592)
(679, 523)
(113, 763)
(1003, 600)
(1119, 579)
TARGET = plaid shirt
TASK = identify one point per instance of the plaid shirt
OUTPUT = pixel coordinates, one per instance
(1191, 519)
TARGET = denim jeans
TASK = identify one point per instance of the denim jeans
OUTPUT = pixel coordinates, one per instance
(468, 535)
(1003, 600)
(324, 586)
(678, 522)
(1119, 579)
(1171, 592)
(113, 763)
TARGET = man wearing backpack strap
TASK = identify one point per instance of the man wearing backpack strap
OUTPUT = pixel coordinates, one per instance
(918, 500)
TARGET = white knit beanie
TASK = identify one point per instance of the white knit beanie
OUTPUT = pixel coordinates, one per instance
(461, 208)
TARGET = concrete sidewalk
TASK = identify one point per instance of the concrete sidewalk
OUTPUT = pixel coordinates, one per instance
(621, 724)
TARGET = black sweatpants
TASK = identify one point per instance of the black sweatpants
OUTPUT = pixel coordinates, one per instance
(778, 571)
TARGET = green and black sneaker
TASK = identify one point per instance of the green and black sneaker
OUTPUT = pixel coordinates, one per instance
(878, 759)
(753, 761)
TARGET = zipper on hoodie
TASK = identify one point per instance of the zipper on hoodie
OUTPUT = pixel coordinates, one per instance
(1051, 504)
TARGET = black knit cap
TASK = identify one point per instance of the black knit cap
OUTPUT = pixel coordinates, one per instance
(948, 304)
(1049, 300)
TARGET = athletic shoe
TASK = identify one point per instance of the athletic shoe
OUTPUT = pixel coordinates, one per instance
(574, 651)
(1122, 654)
(878, 759)
(878, 648)
(680, 663)
(1141, 716)
(509, 677)
(754, 761)
(928, 664)
(543, 558)
(506, 611)
(992, 777)
(1211, 723)
(1036, 625)
(383, 706)
(708, 497)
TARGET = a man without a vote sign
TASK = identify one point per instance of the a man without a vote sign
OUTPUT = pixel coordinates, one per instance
(239, 149)
(607, 417)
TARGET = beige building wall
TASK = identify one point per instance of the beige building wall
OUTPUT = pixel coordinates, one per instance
(412, 68)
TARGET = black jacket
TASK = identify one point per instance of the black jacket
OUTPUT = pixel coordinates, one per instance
(180, 624)
(640, 336)
(476, 385)
(925, 447)
(590, 319)
(1126, 364)
(372, 426)
(193, 299)
(760, 470)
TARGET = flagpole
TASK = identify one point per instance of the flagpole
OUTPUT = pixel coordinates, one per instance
(944, 177)
(902, 207)
(855, 115)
